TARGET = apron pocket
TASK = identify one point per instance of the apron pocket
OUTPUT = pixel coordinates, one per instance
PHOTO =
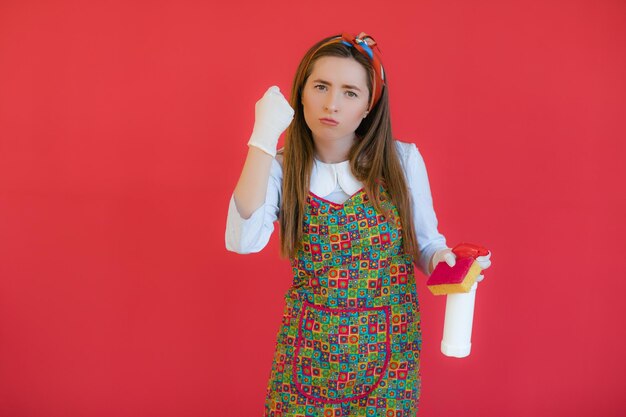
(341, 354)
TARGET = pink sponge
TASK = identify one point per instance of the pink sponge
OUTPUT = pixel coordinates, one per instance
(450, 280)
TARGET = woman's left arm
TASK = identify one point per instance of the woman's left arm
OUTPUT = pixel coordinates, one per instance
(431, 243)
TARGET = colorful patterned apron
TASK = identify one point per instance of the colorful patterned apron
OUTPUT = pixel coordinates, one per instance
(350, 340)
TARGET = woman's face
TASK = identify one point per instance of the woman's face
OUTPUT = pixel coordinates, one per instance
(335, 90)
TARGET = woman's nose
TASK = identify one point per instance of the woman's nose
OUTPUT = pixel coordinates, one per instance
(331, 104)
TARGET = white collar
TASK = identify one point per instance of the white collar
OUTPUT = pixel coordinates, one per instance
(325, 177)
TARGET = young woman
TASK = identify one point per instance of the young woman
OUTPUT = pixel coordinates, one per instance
(355, 213)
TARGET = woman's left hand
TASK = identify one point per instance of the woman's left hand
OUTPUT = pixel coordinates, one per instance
(443, 255)
(484, 262)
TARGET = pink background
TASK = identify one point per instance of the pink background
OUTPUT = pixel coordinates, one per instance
(123, 129)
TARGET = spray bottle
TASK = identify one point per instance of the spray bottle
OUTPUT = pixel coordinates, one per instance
(459, 283)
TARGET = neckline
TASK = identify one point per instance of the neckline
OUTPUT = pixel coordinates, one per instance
(347, 161)
(359, 191)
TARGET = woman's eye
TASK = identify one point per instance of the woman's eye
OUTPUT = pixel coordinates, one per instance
(351, 94)
(320, 86)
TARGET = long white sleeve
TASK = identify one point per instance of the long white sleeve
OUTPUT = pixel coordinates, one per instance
(252, 234)
(429, 239)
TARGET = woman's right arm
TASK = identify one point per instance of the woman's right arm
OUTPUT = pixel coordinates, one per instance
(251, 188)
(255, 202)
(249, 234)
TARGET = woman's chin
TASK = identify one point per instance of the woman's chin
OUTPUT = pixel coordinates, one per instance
(326, 136)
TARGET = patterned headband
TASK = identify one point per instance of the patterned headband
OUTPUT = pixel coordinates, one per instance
(367, 46)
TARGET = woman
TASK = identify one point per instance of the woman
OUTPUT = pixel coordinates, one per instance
(355, 214)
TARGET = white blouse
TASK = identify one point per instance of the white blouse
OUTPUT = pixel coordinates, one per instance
(335, 182)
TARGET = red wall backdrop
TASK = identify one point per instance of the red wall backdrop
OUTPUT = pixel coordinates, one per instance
(123, 129)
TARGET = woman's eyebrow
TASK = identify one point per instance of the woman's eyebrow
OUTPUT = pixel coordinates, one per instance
(351, 87)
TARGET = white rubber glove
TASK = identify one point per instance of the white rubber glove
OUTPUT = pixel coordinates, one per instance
(443, 255)
(273, 114)
(484, 262)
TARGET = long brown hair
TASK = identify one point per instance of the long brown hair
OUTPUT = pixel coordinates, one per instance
(373, 158)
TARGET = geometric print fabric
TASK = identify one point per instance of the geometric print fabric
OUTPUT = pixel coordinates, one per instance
(350, 339)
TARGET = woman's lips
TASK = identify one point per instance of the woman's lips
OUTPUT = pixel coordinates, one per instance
(329, 122)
